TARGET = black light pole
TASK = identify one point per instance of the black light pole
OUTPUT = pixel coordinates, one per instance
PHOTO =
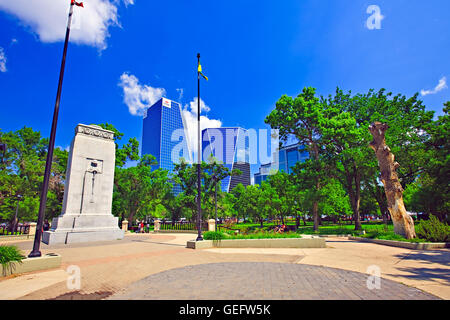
(215, 198)
(199, 159)
(51, 145)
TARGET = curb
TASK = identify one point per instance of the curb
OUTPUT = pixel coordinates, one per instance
(15, 238)
(48, 261)
(177, 231)
(406, 245)
(259, 243)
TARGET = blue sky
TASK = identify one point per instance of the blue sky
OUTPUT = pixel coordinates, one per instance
(252, 51)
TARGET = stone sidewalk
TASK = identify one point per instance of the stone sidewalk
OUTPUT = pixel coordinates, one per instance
(109, 268)
(265, 281)
(426, 270)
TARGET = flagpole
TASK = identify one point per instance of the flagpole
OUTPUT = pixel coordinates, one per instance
(199, 158)
(51, 146)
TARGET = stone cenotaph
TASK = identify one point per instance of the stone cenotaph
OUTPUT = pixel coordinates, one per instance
(86, 213)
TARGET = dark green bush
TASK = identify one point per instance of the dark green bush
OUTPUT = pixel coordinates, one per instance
(433, 230)
(212, 235)
(245, 230)
(266, 235)
(9, 255)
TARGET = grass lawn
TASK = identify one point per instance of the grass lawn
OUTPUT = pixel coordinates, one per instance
(373, 229)
(211, 235)
(326, 228)
(390, 235)
(346, 228)
(263, 235)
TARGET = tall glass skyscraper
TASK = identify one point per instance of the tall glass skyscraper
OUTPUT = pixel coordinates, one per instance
(229, 146)
(165, 136)
(287, 158)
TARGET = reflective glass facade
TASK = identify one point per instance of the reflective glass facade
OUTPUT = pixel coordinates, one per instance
(288, 158)
(163, 132)
(229, 146)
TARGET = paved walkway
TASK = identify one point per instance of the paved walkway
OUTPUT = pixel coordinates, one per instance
(265, 281)
(108, 268)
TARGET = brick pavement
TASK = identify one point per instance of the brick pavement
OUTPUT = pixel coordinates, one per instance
(264, 280)
(109, 267)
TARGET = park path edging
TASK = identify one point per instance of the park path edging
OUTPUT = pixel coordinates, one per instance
(47, 261)
(313, 242)
(406, 245)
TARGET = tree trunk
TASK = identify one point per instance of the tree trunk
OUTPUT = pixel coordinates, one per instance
(316, 215)
(403, 223)
(354, 194)
(381, 200)
(357, 198)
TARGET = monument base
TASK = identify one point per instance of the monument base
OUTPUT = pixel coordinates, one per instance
(83, 228)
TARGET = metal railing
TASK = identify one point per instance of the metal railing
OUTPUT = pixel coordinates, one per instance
(182, 226)
(19, 230)
(222, 228)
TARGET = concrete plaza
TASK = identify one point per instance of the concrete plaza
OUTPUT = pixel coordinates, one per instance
(159, 266)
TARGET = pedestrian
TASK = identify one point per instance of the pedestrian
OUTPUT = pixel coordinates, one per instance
(46, 225)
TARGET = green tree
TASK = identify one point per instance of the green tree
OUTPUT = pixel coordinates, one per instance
(238, 193)
(430, 193)
(285, 194)
(269, 203)
(21, 175)
(303, 117)
(128, 151)
(213, 174)
(185, 176)
(346, 147)
(248, 203)
(140, 192)
(335, 202)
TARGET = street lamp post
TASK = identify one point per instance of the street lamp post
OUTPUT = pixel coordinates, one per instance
(215, 198)
(199, 159)
(51, 145)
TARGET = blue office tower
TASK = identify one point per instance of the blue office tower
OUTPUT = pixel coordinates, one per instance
(288, 156)
(230, 146)
(165, 136)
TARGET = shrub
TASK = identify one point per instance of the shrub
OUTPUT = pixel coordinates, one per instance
(212, 235)
(245, 230)
(9, 255)
(433, 230)
(266, 235)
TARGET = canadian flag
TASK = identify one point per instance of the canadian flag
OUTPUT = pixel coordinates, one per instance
(78, 4)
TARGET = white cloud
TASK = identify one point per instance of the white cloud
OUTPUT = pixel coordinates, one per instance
(181, 92)
(67, 148)
(190, 118)
(441, 86)
(2, 60)
(193, 106)
(128, 2)
(48, 19)
(138, 97)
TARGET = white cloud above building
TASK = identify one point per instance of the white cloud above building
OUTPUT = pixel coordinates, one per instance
(48, 19)
(440, 86)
